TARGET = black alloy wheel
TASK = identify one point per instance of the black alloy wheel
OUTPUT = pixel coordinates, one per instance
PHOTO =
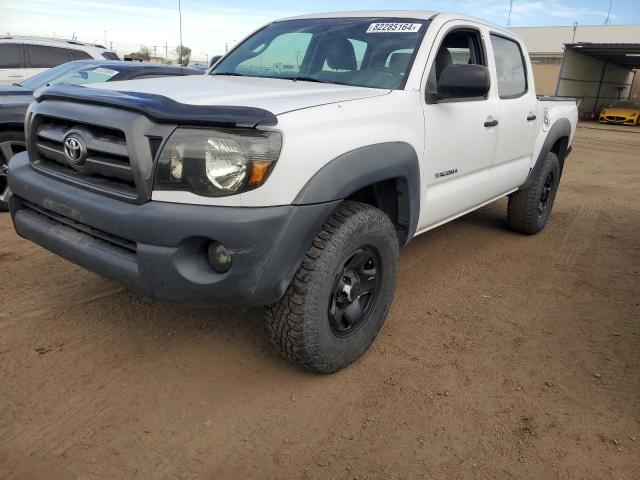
(10, 144)
(545, 194)
(354, 291)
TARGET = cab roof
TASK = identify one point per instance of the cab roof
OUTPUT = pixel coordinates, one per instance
(417, 14)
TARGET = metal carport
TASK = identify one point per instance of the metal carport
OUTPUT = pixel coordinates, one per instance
(598, 73)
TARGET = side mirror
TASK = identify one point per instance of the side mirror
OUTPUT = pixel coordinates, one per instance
(214, 59)
(464, 81)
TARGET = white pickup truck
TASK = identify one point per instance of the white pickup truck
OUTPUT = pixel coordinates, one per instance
(291, 174)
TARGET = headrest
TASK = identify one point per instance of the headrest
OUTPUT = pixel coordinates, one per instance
(341, 55)
(399, 61)
(442, 60)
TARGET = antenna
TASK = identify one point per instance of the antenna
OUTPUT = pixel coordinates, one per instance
(181, 53)
(509, 17)
(607, 21)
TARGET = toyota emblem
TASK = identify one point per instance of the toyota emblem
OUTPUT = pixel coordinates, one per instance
(75, 150)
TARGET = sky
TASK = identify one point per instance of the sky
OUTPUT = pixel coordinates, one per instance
(210, 26)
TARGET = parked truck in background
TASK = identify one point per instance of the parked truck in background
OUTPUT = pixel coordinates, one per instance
(293, 172)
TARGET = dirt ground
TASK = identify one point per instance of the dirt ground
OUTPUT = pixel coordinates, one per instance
(503, 357)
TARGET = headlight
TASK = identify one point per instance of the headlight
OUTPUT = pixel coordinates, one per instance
(217, 162)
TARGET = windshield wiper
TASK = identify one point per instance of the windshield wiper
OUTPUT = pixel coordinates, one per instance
(305, 79)
(229, 74)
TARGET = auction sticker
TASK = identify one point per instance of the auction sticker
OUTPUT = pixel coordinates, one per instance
(107, 72)
(394, 27)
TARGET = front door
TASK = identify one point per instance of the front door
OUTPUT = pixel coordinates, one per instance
(461, 134)
(12, 67)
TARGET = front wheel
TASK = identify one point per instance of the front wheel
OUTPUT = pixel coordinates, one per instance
(10, 144)
(340, 295)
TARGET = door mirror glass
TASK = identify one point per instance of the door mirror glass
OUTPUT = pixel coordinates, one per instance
(214, 59)
(460, 81)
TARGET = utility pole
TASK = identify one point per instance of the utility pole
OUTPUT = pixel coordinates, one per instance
(509, 17)
(166, 50)
(154, 51)
(607, 21)
(105, 37)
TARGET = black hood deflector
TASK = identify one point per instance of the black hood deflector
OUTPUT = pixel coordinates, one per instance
(159, 108)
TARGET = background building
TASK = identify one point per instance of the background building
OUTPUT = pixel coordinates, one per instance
(595, 63)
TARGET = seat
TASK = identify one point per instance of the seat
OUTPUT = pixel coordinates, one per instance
(399, 62)
(442, 60)
(341, 55)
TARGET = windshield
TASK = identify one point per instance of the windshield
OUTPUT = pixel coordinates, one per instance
(631, 105)
(74, 73)
(367, 52)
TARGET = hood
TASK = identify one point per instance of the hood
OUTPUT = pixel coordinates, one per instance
(275, 95)
(620, 111)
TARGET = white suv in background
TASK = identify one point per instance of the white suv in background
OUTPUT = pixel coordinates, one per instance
(23, 57)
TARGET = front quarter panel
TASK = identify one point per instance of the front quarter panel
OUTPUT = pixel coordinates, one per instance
(314, 137)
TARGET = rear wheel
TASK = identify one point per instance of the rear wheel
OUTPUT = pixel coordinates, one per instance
(10, 144)
(529, 209)
(340, 296)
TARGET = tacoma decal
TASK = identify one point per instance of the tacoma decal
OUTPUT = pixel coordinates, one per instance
(446, 173)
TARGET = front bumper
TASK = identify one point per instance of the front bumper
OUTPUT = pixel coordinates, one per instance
(160, 248)
(619, 119)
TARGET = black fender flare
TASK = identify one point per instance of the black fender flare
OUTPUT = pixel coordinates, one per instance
(366, 166)
(561, 128)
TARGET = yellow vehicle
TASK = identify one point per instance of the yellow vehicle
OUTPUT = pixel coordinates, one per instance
(624, 113)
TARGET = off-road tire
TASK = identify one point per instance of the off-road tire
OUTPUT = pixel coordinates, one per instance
(299, 324)
(10, 143)
(524, 213)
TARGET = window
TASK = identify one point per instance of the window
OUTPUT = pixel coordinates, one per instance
(368, 52)
(41, 56)
(458, 47)
(11, 56)
(512, 78)
(110, 56)
(79, 55)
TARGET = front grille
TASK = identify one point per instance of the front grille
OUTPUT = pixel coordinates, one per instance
(107, 166)
(112, 240)
(612, 118)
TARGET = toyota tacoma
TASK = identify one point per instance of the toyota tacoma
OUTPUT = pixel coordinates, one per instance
(291, 174)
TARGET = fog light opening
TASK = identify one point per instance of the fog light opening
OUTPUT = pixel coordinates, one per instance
(219, 257)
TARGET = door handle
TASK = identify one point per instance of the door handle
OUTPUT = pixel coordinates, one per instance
(531, 118)
(491, 123)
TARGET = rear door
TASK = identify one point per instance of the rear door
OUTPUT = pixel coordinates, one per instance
(43, 57)
(460, 134)
(12, 66)
(517, 106)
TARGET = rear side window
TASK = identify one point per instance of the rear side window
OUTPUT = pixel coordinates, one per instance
(110, 56)
(11, 56)
(40, 56)
(79, 55)
(510, 68)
